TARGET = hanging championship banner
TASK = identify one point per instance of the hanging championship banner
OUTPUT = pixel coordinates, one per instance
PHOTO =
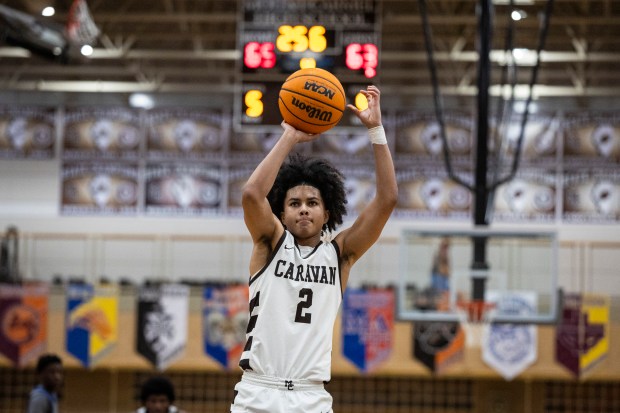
(102, 133)
(91, 321)
(509, 349)
(23, 321)
(343, 144)
(591, 137)
(529, 197)
(27, 133)
(582, 337)
(359, 185)
(186, 134)
(225, 318)
(592, 196)
(99, 188)
(418, 135)
(540, 138)
(438, 345)
(183, 189)
(162, 323)
(429, 193)
(367, 327)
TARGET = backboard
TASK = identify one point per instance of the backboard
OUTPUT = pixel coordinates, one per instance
(439, 280)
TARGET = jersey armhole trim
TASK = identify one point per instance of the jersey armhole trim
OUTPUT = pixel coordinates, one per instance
(339, 271)
(271, 257)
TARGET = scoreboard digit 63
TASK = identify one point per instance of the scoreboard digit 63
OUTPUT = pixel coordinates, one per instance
(278, 37)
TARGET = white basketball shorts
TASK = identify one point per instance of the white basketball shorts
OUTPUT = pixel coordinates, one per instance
(261, 394)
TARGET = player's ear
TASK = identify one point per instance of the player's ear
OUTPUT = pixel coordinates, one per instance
(325, 217)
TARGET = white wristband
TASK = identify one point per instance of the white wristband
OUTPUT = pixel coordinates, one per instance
(377, 135)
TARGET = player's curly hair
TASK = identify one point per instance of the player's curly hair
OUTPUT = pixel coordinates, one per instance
(315, 172)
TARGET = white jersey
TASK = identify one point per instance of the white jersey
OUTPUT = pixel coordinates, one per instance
(294, 301)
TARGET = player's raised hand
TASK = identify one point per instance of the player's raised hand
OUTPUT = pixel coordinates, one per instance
(371, 116)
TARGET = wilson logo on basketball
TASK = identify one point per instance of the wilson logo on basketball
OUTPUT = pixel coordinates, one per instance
(319, 89)
(313, 113)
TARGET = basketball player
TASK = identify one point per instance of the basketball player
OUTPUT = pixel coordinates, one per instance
(298, 275)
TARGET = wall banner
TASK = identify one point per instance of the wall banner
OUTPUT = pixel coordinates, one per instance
(23, 321)
(438, 345)
(367, 327)
(511, 348)
(91, 321)
(162, 323)
(582, 337)
(225, 318)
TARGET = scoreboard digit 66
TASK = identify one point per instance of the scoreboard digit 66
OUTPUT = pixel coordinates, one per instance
(278, 37)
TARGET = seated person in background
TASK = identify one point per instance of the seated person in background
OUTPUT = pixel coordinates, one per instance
(157, 396)
(44, 397)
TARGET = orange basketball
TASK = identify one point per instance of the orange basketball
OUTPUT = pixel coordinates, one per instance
(312, 100)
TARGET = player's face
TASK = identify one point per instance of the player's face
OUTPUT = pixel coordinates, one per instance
(52, 377)
(157, 403)
(304, 212)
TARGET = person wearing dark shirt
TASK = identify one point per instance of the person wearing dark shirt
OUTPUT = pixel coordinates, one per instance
(44, 397)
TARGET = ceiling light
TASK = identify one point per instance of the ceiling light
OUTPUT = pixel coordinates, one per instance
(86, 50)
(141, 100)
(49, 11)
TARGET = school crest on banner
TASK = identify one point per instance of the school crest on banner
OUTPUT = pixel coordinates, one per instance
(438, 345)
(511, 348)
(367, 327)
(225, 318)
(582, 337)
(91, 321)
(23, 321)
(162, 323)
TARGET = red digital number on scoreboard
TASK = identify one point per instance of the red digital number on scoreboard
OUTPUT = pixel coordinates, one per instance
(363, 57)
(257, 55)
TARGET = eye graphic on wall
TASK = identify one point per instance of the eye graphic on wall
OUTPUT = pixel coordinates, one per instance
(515, 195)
(432, 193)
(431, 138)
(604, 139)
(102, 133)
(544, 199)
(183, 190)
(42, 136)
(101, 189)
(605, 197)
(186, 135)
(16, 132)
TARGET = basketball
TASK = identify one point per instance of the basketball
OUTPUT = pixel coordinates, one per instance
(312, 100)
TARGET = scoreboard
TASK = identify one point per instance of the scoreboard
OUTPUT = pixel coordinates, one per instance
(278, 37)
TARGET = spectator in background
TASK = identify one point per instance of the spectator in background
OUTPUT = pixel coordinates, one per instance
(157, 396)
(44, 397)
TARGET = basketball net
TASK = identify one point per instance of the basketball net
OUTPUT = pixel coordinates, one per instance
(81, 29)
(474, 316)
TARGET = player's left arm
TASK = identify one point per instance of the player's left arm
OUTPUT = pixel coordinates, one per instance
(366, 229)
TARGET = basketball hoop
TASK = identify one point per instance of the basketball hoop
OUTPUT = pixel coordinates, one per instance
(475, 309)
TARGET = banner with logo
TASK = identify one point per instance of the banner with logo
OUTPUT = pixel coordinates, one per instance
(27, 133)
(183, 189)
(367, 327)
(342, 143)
(582, 337)
(225, 319)
(540, 139)
(174, 134)
(23, 321)
(509, 349)
(91, 321)
(99, 188)
(429, 193)
(530, 196)
(438, 345)
(418, 136)
(591, 196)
(102, 133)
(591, 138)
(162, 323)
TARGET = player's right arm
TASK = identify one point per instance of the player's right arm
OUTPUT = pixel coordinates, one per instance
(264, 227)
